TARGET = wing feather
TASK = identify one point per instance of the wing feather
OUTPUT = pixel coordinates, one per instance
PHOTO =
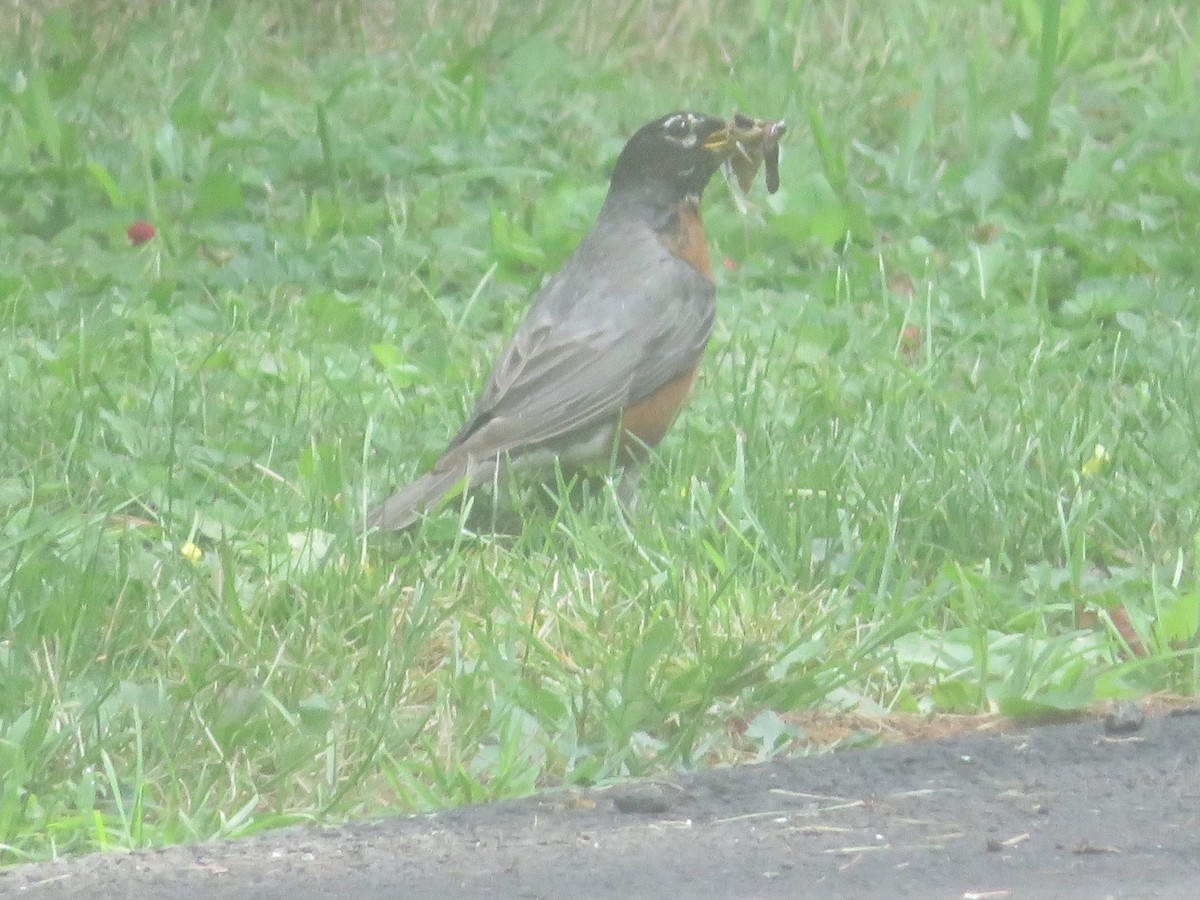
(562, 372)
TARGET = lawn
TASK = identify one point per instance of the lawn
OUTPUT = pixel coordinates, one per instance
(943, 455)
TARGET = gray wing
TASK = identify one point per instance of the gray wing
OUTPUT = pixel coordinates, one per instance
(590, 347)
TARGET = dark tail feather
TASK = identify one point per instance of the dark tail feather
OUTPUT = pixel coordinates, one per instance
(407, 505)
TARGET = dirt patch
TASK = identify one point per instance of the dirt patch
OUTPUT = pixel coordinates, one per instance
(1058, 811)
(823, 731)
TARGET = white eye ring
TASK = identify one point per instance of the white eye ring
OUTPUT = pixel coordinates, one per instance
(681, 129)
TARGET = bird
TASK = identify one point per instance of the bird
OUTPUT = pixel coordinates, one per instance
(611, 346)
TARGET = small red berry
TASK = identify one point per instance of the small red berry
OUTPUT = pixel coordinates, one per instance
(139, 232)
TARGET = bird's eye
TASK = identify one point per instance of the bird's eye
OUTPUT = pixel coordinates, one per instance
(680, 128)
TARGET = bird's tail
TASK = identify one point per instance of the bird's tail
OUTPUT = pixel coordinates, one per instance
(408, 504)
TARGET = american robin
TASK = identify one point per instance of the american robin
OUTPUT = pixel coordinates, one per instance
(610, 348)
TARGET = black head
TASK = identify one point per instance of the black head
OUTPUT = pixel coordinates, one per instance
(675, 155)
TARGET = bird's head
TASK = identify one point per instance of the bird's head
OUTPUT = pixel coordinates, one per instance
(677, 153)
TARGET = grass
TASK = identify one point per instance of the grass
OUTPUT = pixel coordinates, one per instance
(944, 444)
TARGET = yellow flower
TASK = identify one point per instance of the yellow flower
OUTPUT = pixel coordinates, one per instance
(191, 553)
(1098, 463)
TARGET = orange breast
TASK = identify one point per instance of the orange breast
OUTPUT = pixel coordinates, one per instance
(646, 422)
(685, 237)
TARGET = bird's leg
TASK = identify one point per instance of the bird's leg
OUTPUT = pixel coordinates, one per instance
(626, 489)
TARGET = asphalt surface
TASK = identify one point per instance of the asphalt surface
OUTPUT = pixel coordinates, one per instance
(1059, 811)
